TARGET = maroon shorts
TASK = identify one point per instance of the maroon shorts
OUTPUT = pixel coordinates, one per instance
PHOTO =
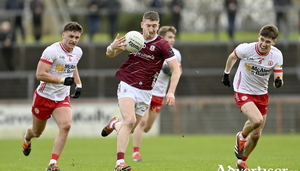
(42, 108)
(261, 101)
(156, 103)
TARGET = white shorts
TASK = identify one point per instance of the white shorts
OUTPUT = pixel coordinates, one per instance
(142, 98)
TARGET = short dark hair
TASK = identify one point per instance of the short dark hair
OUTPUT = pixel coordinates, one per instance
(151, 15)
(269, 31)
(164, 29)
(73, 26)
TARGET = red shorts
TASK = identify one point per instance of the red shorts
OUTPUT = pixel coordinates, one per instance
(261, 101)
(42, 108)
(156, 103)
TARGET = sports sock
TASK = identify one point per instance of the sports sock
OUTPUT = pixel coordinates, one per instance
(26, 140)
(54, 158)
(120, 158)
(243, 159)
(112, 124)
(242, 136)
(136, 149)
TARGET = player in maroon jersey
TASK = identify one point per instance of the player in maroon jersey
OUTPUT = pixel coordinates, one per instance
(137, 77)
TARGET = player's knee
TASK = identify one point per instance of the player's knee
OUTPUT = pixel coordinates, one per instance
(66, 126)
(129, 122)
(147, 129)
(142, 123)
(257, 124)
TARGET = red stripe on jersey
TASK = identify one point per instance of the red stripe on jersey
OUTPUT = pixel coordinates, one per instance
(63, 48)
(236, 54)
(42, 87)
(277, 70)
(239, 80)
(45, 61)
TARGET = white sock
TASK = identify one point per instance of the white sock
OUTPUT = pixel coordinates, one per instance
(27, 142)
(241, 137)
(241, 161)
(112, 124)
(120, 161)
(52, 161)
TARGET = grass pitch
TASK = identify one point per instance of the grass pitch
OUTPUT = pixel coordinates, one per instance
(161, 153)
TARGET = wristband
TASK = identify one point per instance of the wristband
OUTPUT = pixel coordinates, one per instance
(226, 72)
(62, 80)
(110, 49)
(78, 85)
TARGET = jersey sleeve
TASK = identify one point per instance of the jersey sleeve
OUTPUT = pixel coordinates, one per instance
(239, 51)
(48, 55)
(167, 50)
(279, 63)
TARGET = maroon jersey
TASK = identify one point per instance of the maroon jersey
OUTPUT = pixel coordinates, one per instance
(142, 67)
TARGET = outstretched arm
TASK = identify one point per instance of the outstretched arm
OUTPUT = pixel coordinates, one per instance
(116, 47)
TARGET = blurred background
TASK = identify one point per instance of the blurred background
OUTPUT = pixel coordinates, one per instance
(208, 31)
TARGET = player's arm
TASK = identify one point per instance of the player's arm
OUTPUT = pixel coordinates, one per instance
(42, 74)
(231, 60)
(116, 47)
(176, 73)
(278, 79)
(78, 87)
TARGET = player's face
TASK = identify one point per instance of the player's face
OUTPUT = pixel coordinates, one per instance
(264, 44)
(170, 37)
(70, 39)
(149, 28)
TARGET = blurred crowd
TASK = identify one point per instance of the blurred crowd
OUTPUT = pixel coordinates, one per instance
(96, 12)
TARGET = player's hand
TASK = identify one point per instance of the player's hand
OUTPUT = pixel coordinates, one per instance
(278, 82)
(166, 69)
(226, 80)
(170, 99)
(68, 81)
(77, 93)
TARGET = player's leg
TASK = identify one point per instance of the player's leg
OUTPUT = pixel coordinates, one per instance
(124, 128)
(138, 136)
(63, 117)
(35, 130)
(153, 113)
(254, 137)
(254, 123)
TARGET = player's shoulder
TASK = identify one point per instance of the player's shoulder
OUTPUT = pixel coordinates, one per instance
(275, 50)
(78, 50)
(246, 45)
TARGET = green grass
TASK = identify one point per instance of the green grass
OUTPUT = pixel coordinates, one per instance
(188, 37)
(162, 153)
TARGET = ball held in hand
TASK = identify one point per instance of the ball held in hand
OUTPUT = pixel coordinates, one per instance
(134, 41)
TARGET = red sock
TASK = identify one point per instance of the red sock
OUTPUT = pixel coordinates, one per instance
(136, 149)
(120, 155)
(54, 156)
(244, 136)
(244, 158)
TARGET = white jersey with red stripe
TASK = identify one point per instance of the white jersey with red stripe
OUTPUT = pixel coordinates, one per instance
(254, 69)
(162, 82)
(63, 64)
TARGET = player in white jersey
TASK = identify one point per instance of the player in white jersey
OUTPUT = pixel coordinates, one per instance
(137, 76)
(158, 93)
(56, 71)
(258, 61)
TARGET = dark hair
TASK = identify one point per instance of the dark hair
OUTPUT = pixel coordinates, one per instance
(151, 15)
(164, 29)
(73, 26)
(269, 31)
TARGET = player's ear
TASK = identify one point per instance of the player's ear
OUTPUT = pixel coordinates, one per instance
(142, 24)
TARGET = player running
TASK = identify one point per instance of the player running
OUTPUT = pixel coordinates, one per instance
(258, 60)
(158, 94)
(56, 71)
(137, 77)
